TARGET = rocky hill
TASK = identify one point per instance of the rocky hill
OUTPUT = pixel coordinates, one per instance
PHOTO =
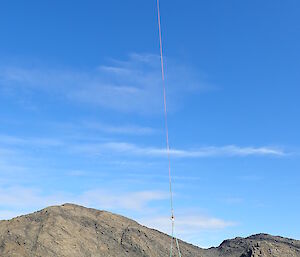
(74, 231)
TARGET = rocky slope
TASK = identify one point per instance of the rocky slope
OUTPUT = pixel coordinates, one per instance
(74, 231)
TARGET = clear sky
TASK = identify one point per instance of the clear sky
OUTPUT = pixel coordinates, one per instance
(81, 112)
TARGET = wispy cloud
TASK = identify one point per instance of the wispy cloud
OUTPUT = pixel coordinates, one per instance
(24, 198)
(136, 201)
(7, 214)
(187, 225)
(233, 200)
(251, 177)
(126, 148)
(41, 142)
(120, 129)
(211, 151)
(133, 85)
(5, 151)
(10, 162)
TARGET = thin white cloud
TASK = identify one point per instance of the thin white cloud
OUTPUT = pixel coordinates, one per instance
(211, 151)
(187, 225)
(5, 151)
(251, 177)
(9, 168)
(125, 148)
(7, 214)
(133, 85)
(233, 200)
(41, 142)
(136, 201)
(20, 198)
(23, 197)
(115, 70)
(120, 129)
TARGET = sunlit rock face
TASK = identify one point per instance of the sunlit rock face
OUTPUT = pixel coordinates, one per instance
(74, 231)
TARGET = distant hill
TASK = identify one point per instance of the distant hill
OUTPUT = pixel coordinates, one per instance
(74, 231)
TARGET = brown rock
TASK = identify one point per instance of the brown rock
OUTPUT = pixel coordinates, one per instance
(74, 231)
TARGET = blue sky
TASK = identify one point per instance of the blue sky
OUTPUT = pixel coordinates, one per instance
(81, 112)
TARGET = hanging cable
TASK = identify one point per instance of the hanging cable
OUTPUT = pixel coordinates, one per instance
(167, 135)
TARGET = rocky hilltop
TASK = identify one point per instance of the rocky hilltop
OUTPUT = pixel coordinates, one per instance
(74, 231)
